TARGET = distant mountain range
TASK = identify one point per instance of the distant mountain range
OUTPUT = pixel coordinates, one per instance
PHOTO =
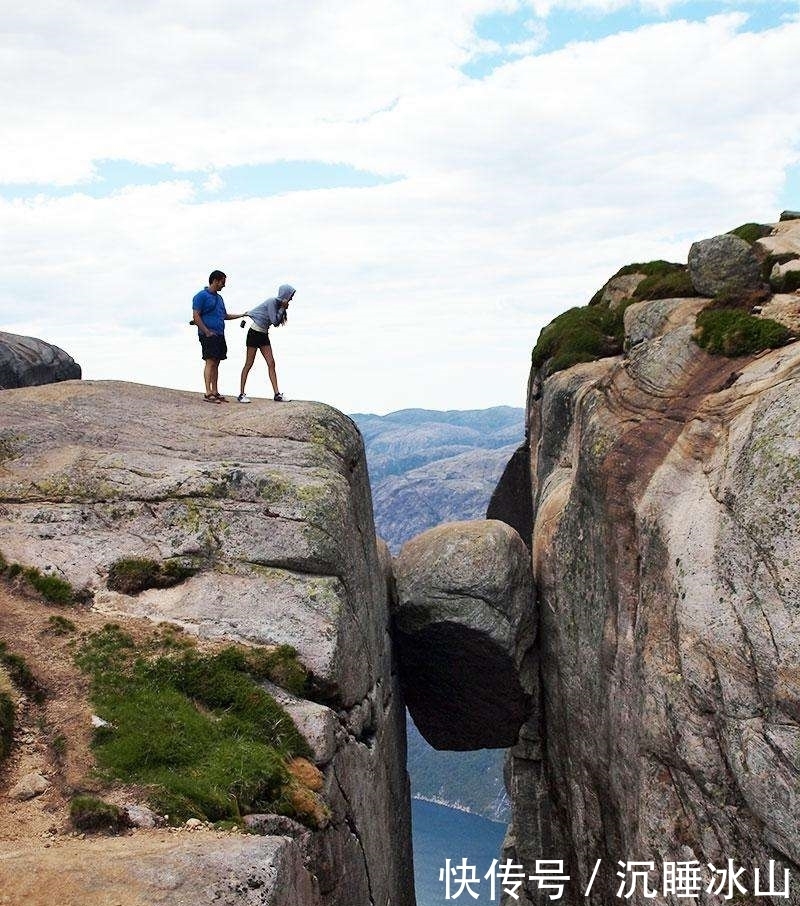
(428, 467)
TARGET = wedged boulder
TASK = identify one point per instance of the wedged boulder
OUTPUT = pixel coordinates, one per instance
(723, 262)
(28, 362)
(464, 625)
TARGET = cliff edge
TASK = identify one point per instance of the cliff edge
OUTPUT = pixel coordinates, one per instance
(255, 524)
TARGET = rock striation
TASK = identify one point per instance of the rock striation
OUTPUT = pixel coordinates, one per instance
(269, 505)
(28, 362)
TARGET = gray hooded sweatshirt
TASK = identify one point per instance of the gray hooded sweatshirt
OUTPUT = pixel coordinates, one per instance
(270, 313)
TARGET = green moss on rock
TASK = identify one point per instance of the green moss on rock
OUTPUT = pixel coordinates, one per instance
(734, 332)
(657, 268)
(51, 588)
(751, 232)
(788, 282)
(131, 575)
(88, 813)
(673, 284)
(579, 335)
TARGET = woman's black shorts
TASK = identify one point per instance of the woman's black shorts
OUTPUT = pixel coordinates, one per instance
(256, 339)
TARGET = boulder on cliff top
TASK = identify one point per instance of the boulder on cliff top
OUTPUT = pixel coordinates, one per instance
(464, 623)
(723, 263)
(29, 362)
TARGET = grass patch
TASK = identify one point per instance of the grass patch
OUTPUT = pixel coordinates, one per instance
(579, 335)
(7, 720)
(750, 232)
(131, 575)
(673, 284)
(650, 268)
(196, 728)
(769, 263)
(20, 673)
(788, 283)
(8, 447)
(734, 332)
(58, 625)
(88, 813)
(745, 299)
(58, 746)
(51, 588)
(662, 280)
(281, 666)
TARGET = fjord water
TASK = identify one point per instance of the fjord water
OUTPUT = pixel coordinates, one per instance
(441, 833)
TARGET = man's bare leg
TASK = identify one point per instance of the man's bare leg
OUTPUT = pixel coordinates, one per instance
(211, 375)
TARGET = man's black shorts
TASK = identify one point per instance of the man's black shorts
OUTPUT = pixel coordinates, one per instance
(256, 339)
(214, 347)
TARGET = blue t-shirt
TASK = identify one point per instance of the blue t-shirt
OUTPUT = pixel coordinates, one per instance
(212, 310)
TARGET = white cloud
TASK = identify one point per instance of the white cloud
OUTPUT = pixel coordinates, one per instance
(213, 183)
(520, 194)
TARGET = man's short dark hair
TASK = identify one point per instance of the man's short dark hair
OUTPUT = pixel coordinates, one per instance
(216, 275)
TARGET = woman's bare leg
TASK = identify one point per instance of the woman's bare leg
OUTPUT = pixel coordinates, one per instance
(248, 364)
(266, 351)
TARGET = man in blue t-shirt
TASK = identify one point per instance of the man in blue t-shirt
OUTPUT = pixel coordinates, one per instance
(208, 313)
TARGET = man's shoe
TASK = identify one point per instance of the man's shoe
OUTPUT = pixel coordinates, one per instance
(278, 398)
(242, 398)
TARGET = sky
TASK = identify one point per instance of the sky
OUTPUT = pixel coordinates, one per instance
(438, 180)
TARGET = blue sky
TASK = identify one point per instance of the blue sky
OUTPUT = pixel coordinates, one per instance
(437, 181)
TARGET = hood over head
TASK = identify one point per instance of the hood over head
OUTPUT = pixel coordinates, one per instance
(285, 292)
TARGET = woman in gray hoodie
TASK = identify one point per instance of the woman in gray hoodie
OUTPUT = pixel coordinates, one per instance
(271, 313)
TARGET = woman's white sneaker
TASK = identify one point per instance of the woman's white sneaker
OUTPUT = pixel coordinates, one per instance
(242, 398)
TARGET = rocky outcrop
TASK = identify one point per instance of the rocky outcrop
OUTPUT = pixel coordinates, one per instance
(665, 556)
(620, 288)
(465, 624)
(511, 499)
(28, 362)
(269, 507)
(181, 870)
(723, 263)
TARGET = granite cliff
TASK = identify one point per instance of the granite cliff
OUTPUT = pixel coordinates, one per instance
(661, 691)
(260, 518)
